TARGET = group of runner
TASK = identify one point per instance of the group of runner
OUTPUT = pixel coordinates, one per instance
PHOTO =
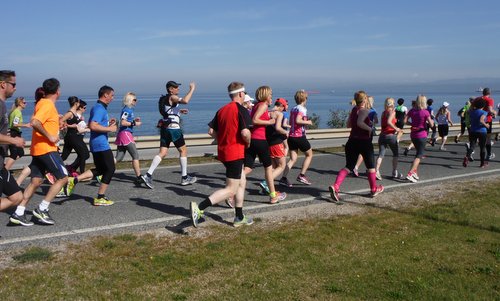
(243, 130)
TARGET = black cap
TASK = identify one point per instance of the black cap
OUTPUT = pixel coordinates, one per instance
(486, 91)
(172, 84)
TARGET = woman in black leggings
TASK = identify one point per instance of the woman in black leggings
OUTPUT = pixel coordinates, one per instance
(74, 135)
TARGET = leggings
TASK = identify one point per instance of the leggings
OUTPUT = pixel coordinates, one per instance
(474, 137)
(74, 141)
(104, 165)
(130, 148)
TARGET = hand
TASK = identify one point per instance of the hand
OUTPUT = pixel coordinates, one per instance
(138, 123)
(18, 141)
(137, 119)
(112, 127)
(112, 121)
(183, 111)
(192, 86)
(272, 121)
(54, 139)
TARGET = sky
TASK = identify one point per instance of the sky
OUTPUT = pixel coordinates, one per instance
(140, 45)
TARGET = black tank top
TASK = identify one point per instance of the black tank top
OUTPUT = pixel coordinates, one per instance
(73, 120)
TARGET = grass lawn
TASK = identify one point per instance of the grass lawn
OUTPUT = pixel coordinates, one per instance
(445, 251)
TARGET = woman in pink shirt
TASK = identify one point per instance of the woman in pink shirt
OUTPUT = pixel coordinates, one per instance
(421, 121)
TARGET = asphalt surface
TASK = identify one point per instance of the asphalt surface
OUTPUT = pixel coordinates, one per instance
(167, 205)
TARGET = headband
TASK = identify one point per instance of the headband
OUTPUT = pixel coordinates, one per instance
(242, 89)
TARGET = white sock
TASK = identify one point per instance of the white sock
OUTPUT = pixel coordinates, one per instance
(20, 210)
(154, 164)
(184, 166)
(44, 205)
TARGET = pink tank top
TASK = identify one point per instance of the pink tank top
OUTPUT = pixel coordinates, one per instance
(259, 131)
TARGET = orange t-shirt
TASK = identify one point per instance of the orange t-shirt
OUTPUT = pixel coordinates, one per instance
(46, 113)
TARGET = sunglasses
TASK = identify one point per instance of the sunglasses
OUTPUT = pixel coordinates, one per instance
(13, 84)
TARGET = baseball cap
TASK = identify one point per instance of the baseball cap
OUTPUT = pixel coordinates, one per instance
(172, 84)
(249, 99)
(283, 102)
(445, 104)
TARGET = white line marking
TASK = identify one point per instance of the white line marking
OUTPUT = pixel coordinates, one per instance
(229, 210)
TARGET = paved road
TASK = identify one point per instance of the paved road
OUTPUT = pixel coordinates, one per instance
(166, 207)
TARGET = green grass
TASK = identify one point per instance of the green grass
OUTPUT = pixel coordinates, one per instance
(446, 251)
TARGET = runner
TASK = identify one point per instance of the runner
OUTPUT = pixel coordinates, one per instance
(359, 142)
(478, 131)
(15, 125)
(421, 120)
(170, 131)
(490, 108)
(231, 126)
(444, 122)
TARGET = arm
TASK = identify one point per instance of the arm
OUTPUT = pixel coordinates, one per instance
(17, 141)
(256, 117)
(65, 117)
(96, 127)
(187, 97)
(37, 126)
(482, 120)
(360, 122)
(430, 121)
(448, 117)
(246, 135)
(277, 125)
(391, 117)
(300, 121)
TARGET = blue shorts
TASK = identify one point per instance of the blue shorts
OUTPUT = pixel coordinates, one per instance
(49, 162)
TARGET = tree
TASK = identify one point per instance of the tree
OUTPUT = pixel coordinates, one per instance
(338, 119)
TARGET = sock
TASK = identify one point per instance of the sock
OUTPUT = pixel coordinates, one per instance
(184, 166)
(205, 204)
(340, 178)
(100, 196)
(154, 165)
(372, 180)
(239, 212)
(44, 205)
(75, 181)
(20, 210)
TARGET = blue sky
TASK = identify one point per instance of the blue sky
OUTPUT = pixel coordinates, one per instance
(139, 45)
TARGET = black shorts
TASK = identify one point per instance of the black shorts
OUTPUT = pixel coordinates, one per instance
(168, 136)
(14, 151)
(104, 165)
(8, 185)
(443, 130)
(233, 169)
(356, 147)
(258, 148)
(299, 143)
(50, 162)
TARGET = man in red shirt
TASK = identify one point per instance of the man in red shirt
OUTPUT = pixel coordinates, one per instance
(231, 126)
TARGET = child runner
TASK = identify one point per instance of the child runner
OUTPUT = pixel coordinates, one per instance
(297, 140)
(359, 143)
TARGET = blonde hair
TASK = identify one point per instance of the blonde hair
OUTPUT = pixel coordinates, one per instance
(389, 102)
(421, 102)
(16, 103)
(263, 93)
(360, 97)
(300, 97)
(128, 99)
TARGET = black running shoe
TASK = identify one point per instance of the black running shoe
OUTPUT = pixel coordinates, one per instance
(20, 220)
(43, 216)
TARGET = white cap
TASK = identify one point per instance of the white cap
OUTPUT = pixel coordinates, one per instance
(248, 98)
(445, 104)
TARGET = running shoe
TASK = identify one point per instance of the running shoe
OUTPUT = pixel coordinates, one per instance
(466, 161)
(50, 177)
(377, 175)
(456, 139)
(196, 213)
(148, 181)
(70, 186)
(284, 182)
(377, 191)
(355, 172)
(303, 179)
(411, 177)
(98, 179)
(397, 175)
(62, 193)
(187, 180)
(484, 165)
(138, 182)
(264, 187)
(278, 197)
(20, 220)
(104, 201)
(245, 221)
(230, 202)
(334, 194)
(491, 157)
(43, 216)
(442, 148)
(406, 151)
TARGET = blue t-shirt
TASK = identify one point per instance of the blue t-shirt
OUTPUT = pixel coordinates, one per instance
(475, 125)
(99, 140)
(127, 114)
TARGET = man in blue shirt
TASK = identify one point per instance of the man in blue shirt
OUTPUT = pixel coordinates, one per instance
(100, 125)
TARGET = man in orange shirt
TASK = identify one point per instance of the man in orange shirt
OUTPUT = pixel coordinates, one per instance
(45, 123)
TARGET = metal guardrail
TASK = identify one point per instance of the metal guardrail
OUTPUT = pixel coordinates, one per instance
(152, 142)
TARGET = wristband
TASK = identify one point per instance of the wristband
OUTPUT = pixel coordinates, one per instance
(132, 123)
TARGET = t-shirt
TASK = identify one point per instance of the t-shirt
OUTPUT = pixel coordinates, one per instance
(127, 114)
(4, 127)
(475, 125)
(15, 119)
(418, 123)
(99, 140)
(46, 113)
(489, 103)
(401, 111)
(228, 122)
(297, 130)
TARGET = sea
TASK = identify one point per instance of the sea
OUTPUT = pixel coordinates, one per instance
(203, 106)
